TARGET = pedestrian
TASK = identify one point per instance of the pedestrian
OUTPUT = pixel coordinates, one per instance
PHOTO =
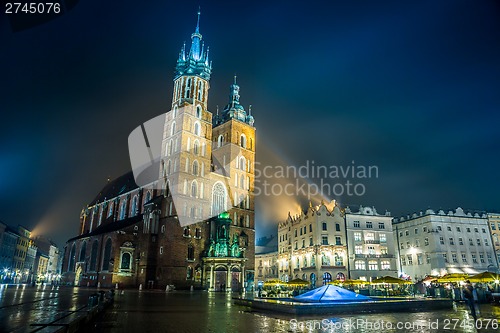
(469, 298)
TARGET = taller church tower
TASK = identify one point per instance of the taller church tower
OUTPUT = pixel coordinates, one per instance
(188, 133)
(208, 167)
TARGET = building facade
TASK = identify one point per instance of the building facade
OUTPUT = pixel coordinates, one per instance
(23, 243)
(266, 266)
(8, 246)
(371, 248)
(431, 243)
(312, 245)
(137, 235)
(48, 248)
(494, 224)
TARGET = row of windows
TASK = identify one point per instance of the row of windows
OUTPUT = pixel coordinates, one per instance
(448, 228)
(373, 265)
(407, 260)
(106, 256)
(191, 90)
(242, 141)
(187, 232)
(358, 249)
(338, 260)
(122, 213)
(369, 225)
(370, 236)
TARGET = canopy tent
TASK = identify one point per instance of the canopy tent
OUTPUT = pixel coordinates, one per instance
(331, 293)
(485, 277)
(452, 278)
(390, 280)
(273, 283)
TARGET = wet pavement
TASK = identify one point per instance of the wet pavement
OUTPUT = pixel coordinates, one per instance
(23, 305)
(198, 311)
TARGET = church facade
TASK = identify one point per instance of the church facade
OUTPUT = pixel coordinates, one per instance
(194, 224)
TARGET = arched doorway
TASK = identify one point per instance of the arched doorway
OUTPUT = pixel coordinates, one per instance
(220, 281)
(313, 280)
(235, 279)
(327, 277)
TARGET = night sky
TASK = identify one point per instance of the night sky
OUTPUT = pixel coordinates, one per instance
(409, 86)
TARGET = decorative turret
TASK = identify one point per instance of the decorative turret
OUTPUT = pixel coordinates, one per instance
(234, 110)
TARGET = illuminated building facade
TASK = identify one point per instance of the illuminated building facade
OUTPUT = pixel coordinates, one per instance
(436, 243)
(133, 236)
(371, 248)
(494, 225)
(312, 245)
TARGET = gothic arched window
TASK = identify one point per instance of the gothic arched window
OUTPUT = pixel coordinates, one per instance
(197, 128)
(195, 168)
(219, 195)
(194, 189)
(242, 164)
(72, 254)
(196, 147)
(83, 252)
(190, 255)
(125, 262)
(169, 168)
(198, 111)
(123, 209)
(220, 140)
(172, 130)
(243, 141)
(134, 206)
(93, 256)
(200, 91)
(110, 209)
(107, 255)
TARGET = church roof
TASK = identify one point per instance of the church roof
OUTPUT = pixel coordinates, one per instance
(110, 227)
(114, 188)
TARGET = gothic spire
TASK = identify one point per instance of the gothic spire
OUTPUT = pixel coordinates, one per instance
(195, 51)
(195, 61)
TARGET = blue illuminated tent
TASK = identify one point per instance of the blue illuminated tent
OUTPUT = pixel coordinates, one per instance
(331, 293)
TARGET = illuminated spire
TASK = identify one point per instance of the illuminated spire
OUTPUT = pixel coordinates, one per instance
(195, 62)
(198, 23)
(195, 51)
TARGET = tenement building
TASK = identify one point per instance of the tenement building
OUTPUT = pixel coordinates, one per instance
(134, 235)
(436, 243)
(312, 245)
(371, 249)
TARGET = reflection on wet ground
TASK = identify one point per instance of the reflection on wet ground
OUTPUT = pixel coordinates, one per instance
(23, 305)
(157, 312)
